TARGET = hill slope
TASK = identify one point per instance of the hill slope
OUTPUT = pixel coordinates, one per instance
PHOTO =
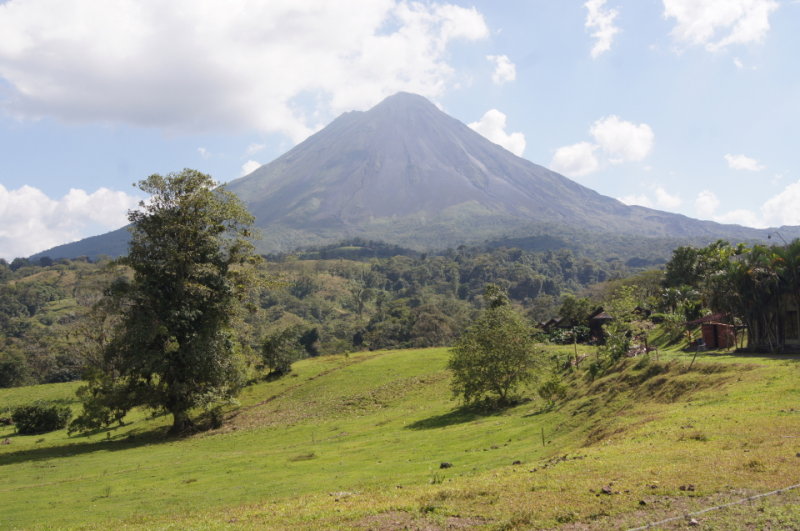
(359, 442)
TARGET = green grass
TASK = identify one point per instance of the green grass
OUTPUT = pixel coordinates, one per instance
(358, 441)
(61, 393)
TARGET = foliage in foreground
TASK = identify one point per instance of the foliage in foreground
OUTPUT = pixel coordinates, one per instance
(174, 348)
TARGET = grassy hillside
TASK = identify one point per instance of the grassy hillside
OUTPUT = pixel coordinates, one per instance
(359, 442)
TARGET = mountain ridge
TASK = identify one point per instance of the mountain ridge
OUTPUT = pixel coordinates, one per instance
(407, 173)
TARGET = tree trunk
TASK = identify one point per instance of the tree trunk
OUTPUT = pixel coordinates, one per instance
(181, 423)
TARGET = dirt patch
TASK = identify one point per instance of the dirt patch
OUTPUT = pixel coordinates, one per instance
(402, 520)
(781, 511)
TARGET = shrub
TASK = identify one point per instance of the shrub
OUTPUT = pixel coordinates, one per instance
(552, 391)
(40, 418)
(282, 348)
(495, 355)
(14, 369)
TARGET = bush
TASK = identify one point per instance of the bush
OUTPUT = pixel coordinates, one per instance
(552, 391)
(40, 418)
(494, 356)
(14, 369)
(282, 348)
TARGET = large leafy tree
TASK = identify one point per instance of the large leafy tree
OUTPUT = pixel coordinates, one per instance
(173, 349)
(495, 355)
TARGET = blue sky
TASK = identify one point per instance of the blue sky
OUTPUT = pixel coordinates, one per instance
(688, 106)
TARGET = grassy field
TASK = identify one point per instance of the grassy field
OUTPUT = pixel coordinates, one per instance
(360, 442)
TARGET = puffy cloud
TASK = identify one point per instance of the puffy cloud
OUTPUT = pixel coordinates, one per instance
(249, 167)
(663, 200)
(601, 20)
(30, 221)
(208, 64)
(740, 162)
(504, 69)
(492, 125)
(706, 204)
(204, 152)
(666, 200)
(716, 24)
(622, 141)
(743, 217)
(254, 148)
(575, 160)
(782, 209)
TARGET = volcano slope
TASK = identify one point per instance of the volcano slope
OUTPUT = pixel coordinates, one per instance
(406, 173)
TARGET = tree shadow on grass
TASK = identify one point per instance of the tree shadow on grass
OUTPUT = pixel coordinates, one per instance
(154, 436)
(462, 415)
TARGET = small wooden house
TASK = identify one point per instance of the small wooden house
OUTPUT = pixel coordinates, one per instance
(716, 331)
(596, 322)
(552, 324)
(718, 335)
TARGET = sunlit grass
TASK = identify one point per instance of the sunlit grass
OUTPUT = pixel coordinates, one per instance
(360, 441)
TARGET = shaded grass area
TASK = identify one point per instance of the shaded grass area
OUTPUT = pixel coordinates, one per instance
(359, 442)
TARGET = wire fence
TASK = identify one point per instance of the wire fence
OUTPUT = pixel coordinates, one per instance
(716, 507)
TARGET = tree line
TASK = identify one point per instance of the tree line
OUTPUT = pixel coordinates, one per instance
(55, 316)
(191, 314)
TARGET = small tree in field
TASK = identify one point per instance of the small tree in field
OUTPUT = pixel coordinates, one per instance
(172, 349)
(283, 347)
(495, 355)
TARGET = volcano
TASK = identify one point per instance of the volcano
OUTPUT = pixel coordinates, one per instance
(405, 172)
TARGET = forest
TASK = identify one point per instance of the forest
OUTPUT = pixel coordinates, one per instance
(362, 295)
(354, 296)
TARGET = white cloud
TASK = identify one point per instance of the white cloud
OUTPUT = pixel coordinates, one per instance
(622, 141)
(738, 62)
(254, 148)
(741, 162)
(207, 64)
(743, 217)
(30, 221)
(575, 160)
(779, 210)
(600, 20)
(204, 152)
(249, 167)
(706, 204)
(492, 125)
(637, 199)
(716, 24)
(783, 208)
(619, 140)
(666, 200)
(663, 200)
(504, 69)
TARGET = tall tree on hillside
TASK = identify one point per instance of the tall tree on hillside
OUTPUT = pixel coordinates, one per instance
(495, 355)
(173, 349)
